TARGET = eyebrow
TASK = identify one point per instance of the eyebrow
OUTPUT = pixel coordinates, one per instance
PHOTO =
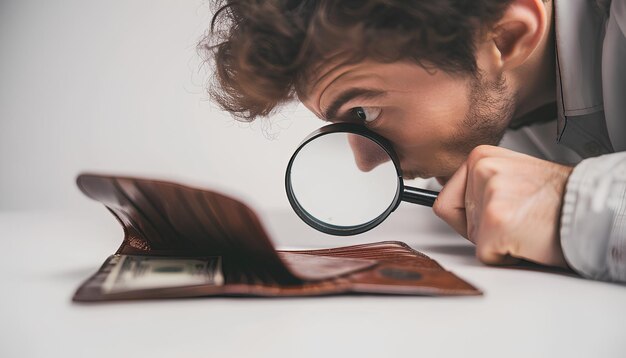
(348, 95)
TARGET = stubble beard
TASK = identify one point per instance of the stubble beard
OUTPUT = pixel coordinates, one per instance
(491, 109)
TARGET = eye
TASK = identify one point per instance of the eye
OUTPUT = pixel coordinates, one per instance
(366, 114)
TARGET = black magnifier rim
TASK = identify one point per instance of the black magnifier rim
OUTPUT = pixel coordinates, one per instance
(327, 228)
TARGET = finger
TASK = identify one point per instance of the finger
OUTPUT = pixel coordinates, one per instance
(450, 203)
(482, 186)
(483, 164)
(488, 255)
(478, 174)
(494, 245)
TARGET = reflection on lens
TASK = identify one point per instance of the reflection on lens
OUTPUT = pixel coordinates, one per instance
(344, 179)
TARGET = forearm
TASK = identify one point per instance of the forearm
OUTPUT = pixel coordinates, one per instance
(593, 218)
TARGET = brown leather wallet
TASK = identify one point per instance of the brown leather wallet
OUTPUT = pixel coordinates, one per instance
(223, 249)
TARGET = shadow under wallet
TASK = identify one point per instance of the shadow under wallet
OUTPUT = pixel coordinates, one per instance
(186, 242)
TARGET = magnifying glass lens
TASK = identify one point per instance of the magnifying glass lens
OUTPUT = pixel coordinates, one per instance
(342, 181)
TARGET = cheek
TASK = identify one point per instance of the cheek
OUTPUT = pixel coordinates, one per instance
(428, 123)
(422, 132)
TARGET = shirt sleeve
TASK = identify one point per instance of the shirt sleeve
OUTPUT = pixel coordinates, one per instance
(593, 218)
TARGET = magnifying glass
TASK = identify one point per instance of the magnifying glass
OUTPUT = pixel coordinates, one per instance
(345, 180)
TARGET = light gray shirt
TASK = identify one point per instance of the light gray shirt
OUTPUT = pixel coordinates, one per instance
(590, 133)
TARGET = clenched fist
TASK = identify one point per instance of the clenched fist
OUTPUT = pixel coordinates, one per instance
(508, 204)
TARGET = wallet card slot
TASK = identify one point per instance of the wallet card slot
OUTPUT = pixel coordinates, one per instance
(222, 216)
(149, 231)
(208, 222)
(133, 235)
(174, 219)
(146, 208)
(105, 190)
(242, 233)
(203, 238)
(249, 238)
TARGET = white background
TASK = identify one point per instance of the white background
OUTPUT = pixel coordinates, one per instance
(118, 87)
(115, 86)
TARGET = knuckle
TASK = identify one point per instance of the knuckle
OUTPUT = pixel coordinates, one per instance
(485, 254)
(490, 250)
(481, 252)
(483, 168)
(479, 153)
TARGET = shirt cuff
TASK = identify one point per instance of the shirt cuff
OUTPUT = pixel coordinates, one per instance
(589, 233)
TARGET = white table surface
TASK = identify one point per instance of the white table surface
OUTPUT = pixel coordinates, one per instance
(522, 313)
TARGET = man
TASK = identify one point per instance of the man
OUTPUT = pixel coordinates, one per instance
(443, 81)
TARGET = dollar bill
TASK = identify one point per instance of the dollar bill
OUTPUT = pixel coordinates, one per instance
(131, 272)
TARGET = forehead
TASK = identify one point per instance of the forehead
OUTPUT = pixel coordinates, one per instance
(325, 73)
(328, 78)
(321, 74)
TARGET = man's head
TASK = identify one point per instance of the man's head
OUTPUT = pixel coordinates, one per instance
(436, 78)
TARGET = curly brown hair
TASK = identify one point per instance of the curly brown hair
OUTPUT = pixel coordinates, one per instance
(262, 49)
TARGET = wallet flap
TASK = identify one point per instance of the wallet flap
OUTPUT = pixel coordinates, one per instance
(162, 218)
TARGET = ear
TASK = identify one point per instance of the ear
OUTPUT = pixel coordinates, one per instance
(519, 32)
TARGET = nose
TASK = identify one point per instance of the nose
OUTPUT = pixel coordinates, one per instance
(367, 154)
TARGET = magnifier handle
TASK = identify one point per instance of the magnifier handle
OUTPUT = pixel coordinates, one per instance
(419, 196)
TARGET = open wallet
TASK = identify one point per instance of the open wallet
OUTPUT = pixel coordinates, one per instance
(181, 241)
